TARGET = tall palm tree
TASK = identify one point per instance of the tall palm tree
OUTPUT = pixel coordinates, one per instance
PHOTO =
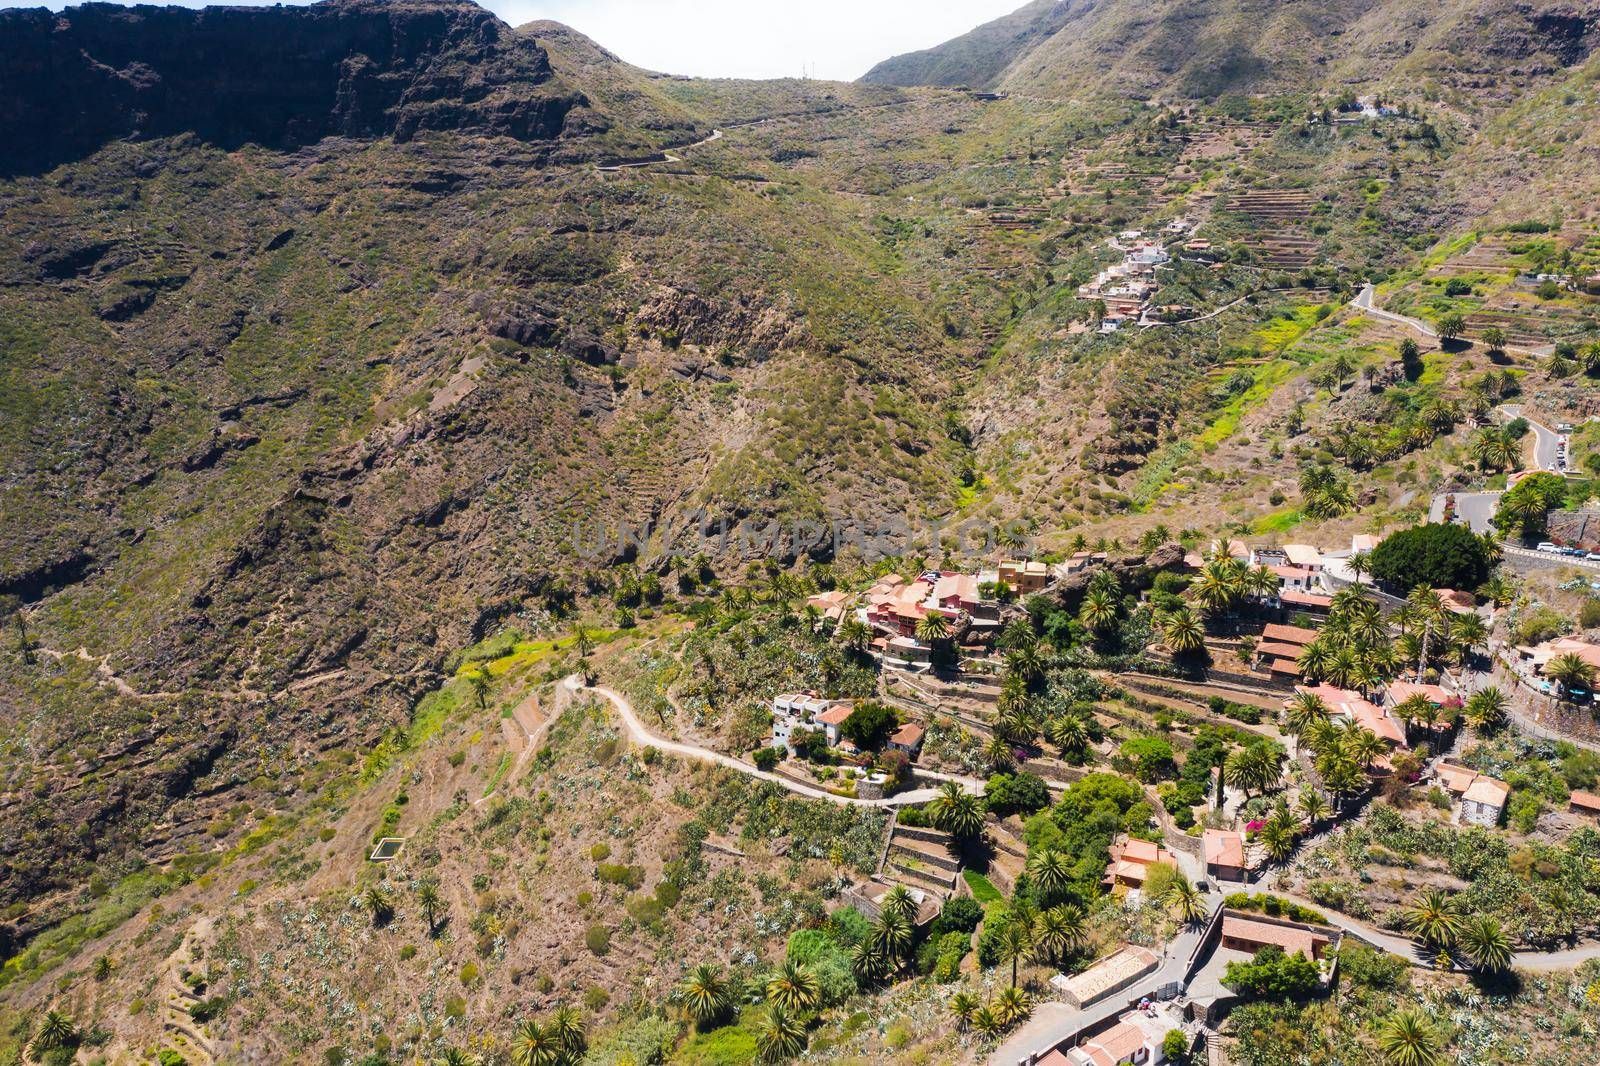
(1059, 930)
(794, 987)
(1364, 746)
(1486, 944)
(853, 633)
(1406, 1038)
(1016, 941)
(431, 904)
(1467, 634)
(932, 627)
(377, 903)
(956, 812)
(779, 1035)
(1315, 660)
(1312, 808)
(1099, 610)
(705, 994)
(1050, 870)
(1303, 708)
(892, 936)
(1487, 709)
(1435, 916)
(1186, 902)
(1278, 836)
(1413, 709)
(1025, 662)
(1183, 633)
(536, 1045)
(1428, 613)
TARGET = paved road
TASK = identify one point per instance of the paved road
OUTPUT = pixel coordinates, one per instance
(1365, 301)
(1528, 559)
(1473, 508)
(666, 155)
(641, 734)
(1546, 441)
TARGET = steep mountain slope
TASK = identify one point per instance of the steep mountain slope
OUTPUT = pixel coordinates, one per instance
(1189, 48)
(980, 58)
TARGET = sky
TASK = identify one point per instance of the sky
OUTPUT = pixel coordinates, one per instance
(838, 39)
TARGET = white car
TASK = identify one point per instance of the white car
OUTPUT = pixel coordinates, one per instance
(1546, 546)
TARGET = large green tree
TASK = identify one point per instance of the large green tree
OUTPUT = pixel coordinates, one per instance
(1437, 555)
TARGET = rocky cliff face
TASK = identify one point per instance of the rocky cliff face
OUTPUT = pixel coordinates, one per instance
(278, 77)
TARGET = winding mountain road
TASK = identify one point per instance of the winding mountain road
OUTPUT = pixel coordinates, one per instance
(1365, 301)
(641, 734)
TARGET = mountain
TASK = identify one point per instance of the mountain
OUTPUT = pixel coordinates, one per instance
(1207, 48)
(277, 77)
(980, 57)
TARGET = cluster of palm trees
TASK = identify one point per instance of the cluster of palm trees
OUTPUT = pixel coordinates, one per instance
(1324, 494)
(1009, 1007)
(887, 948)
(792, 992)
(1495, 448)
(561, 1041)
(1224, 583)
(1343, 751)
(1436, 916)
(379, 904)
(1354, 649)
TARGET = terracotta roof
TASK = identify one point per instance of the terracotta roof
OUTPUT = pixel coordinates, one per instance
(964, 587)
(1456, 600)
(1363, 542)
(1400, 691)
(1141, 851)
(836, 714)
(1290, 938)
(1288, 634)
(1290, 572)
(1306, 599)
(1284, 666)
(1455, 778)
(1354, 706)
(1119, 1042)
(1586, 801)
(1487, 791)
(1224, 848)
(1303, 554)
(1278, 650)
(909, 734)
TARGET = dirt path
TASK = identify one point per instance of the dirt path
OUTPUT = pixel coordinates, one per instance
(640, 734)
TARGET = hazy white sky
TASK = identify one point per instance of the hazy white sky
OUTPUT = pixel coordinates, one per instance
(761, 38)
(837, 39)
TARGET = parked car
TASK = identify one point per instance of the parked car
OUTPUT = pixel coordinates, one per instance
(1546, 546)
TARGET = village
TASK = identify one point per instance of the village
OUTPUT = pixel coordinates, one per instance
(1322, 687)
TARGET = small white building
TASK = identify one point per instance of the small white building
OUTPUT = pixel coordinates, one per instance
(795, 710)
(1484, 801)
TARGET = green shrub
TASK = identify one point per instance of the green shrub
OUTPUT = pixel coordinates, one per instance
(617, 874)
(600, 851)
(597, 938)
(766, 758)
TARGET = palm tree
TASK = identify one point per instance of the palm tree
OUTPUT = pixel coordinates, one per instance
(568, 1027)
(1262, 583)
(1099, 610)
(987, 1022)
(932, 627)
(704, 994)
(779, 1035)
(1414, 708)
(956, 812)
(1303, 708)
(1187, 903)
(964, 1005)
(431, 904)
(1487, 709)
(1359, 564)
(869, 962)
(794, 987)
(1050, 870)
(1569, 672)
(536, 1045)
(378, 904)
(1315, 660)
(1070, 733)
(1058, 930)
(1012, 1006)
(1406, 1038)
(1016, 941)
(900, 900)
(853, 633)
(1025, 662)
(478, 681)
(1486, 944)
(1313, 808)
(892, 936)
(1278, 835)
(55, 1030)
(998, 754)
(1435, 916)
(1183, 632)
(1364, 746)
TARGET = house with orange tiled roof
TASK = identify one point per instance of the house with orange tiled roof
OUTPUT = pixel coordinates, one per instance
(1247, 932)
(1131, 860)
(1346, 705)
(834, 717)
(908, 738)
(1581, 802)
(1482, 798)
(1225, 855)
(1276, 632)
